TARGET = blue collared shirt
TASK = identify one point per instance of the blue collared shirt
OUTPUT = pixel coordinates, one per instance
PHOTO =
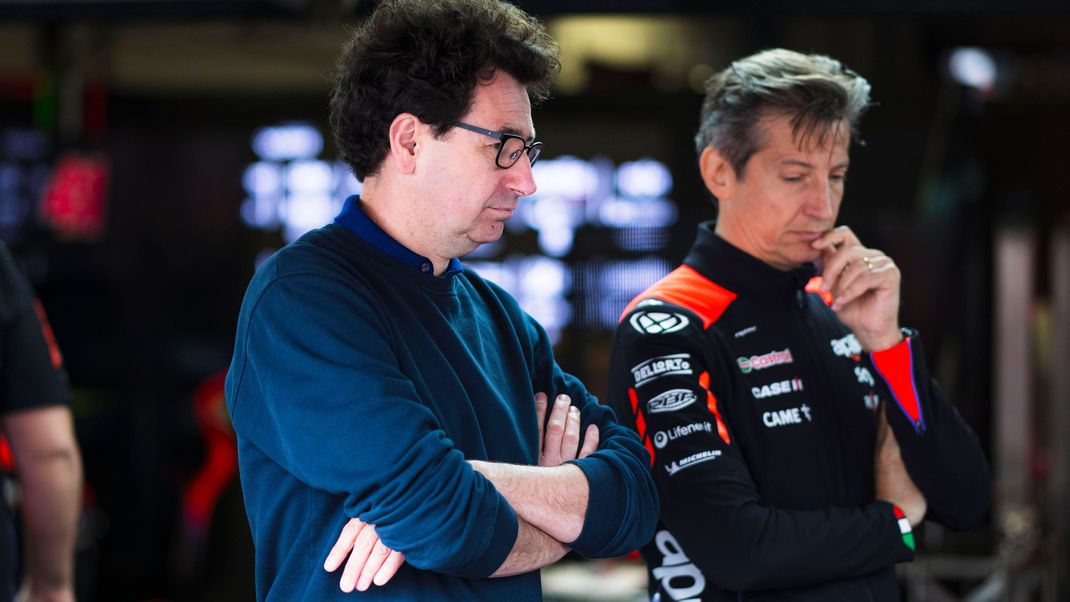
(354, 218)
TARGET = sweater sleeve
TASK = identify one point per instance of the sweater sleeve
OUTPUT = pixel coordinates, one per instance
(622, 506)
(677, 389)
(941, 452)
(316, 386)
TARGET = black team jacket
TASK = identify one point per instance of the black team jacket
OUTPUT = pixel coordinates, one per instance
(759, 409)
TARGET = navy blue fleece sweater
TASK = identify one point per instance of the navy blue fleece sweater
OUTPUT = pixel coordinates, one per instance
(361, 384)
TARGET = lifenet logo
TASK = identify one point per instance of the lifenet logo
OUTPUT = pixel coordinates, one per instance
(761, 362)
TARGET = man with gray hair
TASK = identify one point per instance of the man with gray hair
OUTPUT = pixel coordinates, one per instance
(797, 437)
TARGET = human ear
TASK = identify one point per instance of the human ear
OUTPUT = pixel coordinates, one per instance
(403, 134)
(717, 173)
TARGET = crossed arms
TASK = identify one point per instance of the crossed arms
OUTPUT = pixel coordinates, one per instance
(550, 501)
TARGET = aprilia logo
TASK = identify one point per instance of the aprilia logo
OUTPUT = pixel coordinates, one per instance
(678, 576)
(761, 362)
(655, 368)
(847, 346)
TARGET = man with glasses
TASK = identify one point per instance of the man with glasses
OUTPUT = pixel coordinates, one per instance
(391, 405)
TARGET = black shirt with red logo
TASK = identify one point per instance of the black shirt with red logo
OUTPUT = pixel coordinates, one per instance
(31, 375)
(758, 407)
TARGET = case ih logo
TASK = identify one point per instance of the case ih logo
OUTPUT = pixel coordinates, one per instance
(761, 362)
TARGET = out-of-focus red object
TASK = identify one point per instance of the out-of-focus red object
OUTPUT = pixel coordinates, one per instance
(221, 458)
(74, 200)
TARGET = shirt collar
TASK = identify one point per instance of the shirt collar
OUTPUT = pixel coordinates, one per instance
(730, 266)
(354, 218)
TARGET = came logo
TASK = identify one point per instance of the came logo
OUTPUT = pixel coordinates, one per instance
(761, 362)
(658, 322)
(662, 438)
(777, 388)
(688, 462)
(663, 365)
(786, 416)
(677, 575)
(847, 347)
(670, 401)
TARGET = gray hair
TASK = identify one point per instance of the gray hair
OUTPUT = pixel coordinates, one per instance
(816, 91)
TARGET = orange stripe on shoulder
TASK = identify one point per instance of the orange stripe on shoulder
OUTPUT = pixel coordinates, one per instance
(685, 287)
(814, 286)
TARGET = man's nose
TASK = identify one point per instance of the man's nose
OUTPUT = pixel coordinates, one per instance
(522, 177)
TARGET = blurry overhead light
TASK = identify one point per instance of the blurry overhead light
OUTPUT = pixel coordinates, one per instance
(287, 142)
(973, 67)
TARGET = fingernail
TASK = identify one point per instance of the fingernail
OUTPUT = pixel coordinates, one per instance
(562, 400)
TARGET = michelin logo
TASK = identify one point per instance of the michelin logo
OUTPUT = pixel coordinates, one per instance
(662, 438)
(688, 462)
(670, 401)
(664, 365)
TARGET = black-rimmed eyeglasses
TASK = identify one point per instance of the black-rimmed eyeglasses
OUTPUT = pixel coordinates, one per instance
(510, 146)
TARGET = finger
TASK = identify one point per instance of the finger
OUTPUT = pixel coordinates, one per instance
(590, 441)
(555, 430)
(836, 238)
(858, 264)
(362, 547)
(390, 568)
(570, 443)
(883, 276)
(344, 544)
(375, 561)
(540, 414)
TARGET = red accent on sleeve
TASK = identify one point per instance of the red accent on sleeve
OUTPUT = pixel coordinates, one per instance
(711, 403)
(896, 367)
(640, 423)
(687, 288)
(50, 339)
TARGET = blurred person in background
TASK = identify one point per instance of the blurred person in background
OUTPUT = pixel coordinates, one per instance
(38, 427)
(389, 403)
(797, 435)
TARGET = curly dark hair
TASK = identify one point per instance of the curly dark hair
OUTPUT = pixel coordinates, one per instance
(817, 91)
(425, 57)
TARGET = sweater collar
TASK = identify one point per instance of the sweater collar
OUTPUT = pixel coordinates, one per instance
(355, 219)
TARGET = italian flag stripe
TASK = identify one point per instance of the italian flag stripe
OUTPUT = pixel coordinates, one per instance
(904, 528)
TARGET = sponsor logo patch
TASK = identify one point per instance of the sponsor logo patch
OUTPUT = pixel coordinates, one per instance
(847, 346)
(872, 401)
(746, 331)
(777, 388)
(662, 438)
(663, 365)
(787, 416)
(678, 576)
(688, 462)
(864, 376)
(670, 401)
(658, 322)
(761, 362)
